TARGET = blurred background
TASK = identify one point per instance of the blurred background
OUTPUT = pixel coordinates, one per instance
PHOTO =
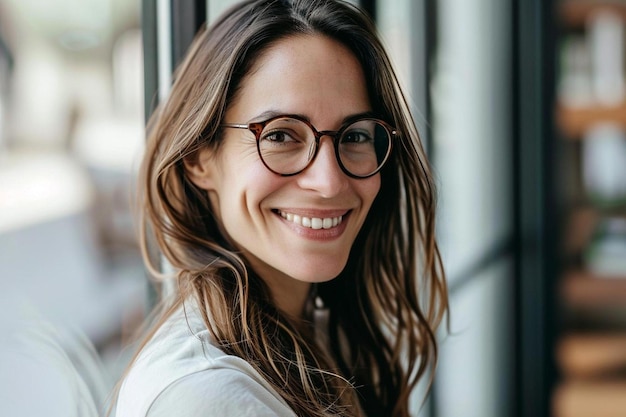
(71, 135)
(521, 107)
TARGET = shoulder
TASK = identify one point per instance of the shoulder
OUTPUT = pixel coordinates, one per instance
(182, 372)
(219, 392)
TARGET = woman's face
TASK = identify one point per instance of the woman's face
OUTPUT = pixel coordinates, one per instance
(262, 212)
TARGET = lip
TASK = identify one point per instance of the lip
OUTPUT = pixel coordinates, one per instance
(315, 234)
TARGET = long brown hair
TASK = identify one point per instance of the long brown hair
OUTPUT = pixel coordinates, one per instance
(392, 294)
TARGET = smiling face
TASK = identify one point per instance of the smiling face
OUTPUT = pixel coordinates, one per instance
(292, 230)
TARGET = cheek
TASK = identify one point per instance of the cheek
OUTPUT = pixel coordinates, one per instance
(369, 189)
(243, 191)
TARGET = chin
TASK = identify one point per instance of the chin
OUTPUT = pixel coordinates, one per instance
(315, 274)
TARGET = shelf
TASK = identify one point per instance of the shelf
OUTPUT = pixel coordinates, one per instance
(574, 13)
(585, 399)
(590, 351)
(591, 355)
(574, 121)
(582, 289)
(580, 228)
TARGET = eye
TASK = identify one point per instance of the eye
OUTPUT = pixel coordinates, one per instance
(357, 136)
(278, 137)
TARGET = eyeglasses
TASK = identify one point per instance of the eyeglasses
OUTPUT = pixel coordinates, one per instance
(288, 144)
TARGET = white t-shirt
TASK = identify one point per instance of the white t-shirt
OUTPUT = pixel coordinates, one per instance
(181, 372)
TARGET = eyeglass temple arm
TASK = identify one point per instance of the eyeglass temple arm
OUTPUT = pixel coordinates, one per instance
(235, 125)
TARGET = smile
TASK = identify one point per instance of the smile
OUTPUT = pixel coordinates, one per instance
(314, 223)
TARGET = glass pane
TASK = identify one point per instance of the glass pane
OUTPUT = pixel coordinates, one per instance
(472, 141)
(216, 7)
(475, 375)
(402, 27)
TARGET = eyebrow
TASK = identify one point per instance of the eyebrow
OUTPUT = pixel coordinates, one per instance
(268, 114)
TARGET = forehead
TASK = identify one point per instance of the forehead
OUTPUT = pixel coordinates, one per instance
(305, 74)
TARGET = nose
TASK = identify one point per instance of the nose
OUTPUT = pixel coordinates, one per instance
(324, 175)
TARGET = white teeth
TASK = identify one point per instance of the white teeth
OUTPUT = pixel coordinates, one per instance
(315, 223)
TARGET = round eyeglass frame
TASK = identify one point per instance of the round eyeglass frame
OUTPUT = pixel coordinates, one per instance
(257, 128)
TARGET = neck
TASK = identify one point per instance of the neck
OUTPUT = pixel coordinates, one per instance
(292, 299)
(290, 295)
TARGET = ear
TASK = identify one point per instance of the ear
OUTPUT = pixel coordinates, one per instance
(200, 169)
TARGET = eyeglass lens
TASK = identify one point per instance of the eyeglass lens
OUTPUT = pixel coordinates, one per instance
(288, 145)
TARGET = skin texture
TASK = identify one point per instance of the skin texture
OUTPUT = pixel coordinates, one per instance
(318, 78)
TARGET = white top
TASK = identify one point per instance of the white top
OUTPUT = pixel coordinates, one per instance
(181, 372)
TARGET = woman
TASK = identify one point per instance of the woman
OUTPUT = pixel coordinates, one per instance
(285, 183)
